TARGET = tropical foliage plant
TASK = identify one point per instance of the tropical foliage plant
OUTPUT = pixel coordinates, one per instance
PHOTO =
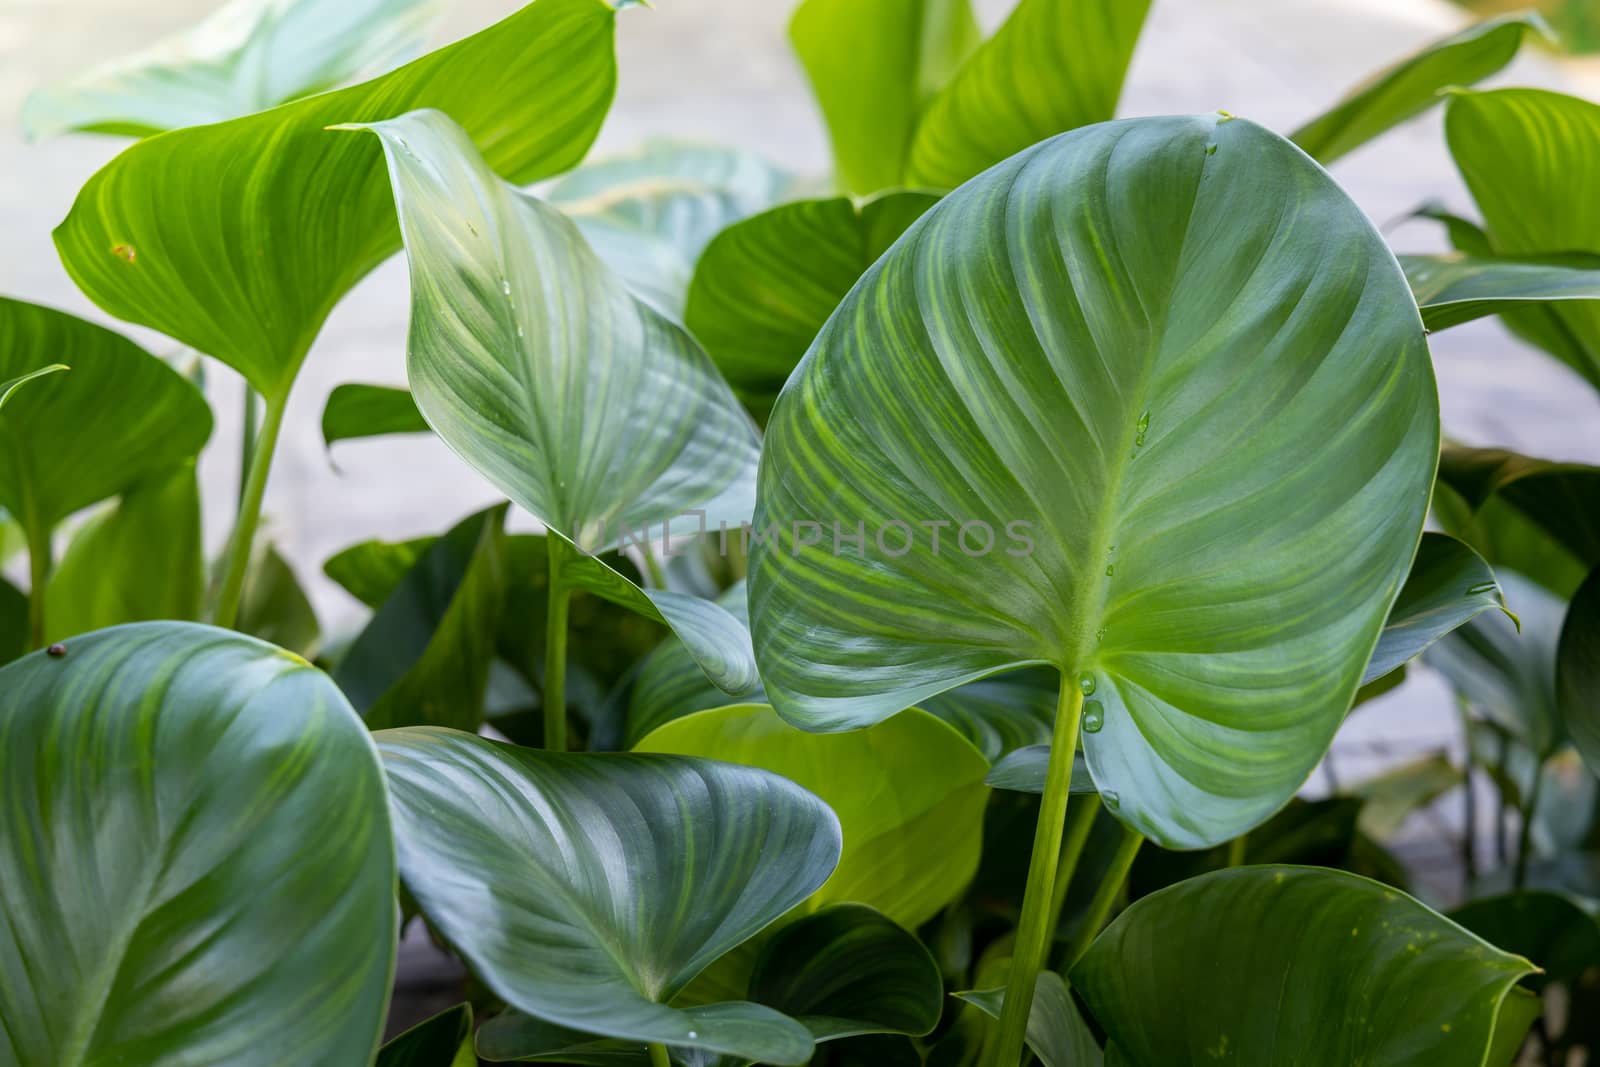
(948, 572)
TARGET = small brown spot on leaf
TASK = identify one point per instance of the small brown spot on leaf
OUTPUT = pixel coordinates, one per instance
(125, 253)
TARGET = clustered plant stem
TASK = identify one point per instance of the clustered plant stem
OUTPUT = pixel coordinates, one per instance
(1079, 823)
(658, 1055)
(1037, 924)
(244, 531)
(555, 650)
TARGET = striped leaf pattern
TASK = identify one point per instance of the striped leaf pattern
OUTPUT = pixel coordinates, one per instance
(1139, 397)
(239, 238)
(1278, 964)
(195, 857)
(247, 56)
(587, 890)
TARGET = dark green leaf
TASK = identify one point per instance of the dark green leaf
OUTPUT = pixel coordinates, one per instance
(424, 658)
(562, 879)
(764, 287)
(1023, 770)
(249, 55)
(1452, 289)
(1270, 963)
(1578, 671)
(1551, 929)
(359, 410)
(1559, 497)
(672, 685)
(71, 440)
(13, 622)
(140, 559)
(1413, 85)
(442, 1041)
(196, 859)
(275, 608)
(1003, 712)
(295, 215)
(873, 68)
(1054, 65)
(907, 858)
(1062, 349)
(1449, 585)
(1526, 155)
(1056, 1030)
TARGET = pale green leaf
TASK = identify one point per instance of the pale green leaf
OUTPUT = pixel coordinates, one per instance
(1453, 289)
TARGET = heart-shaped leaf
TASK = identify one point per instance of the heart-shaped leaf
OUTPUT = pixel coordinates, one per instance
(1578, 671)
(142, 558)
(873, 67)
(1054, 65)
(359, 410)
(1263, 960)
(424, 658)
(587, 890)
(296, 215)
(1449, 586)
(1527, 156)
(1413, 84)
(1506, 670)
(584, 405)
(1453, 289)
(764, 287)
(1056, 1030)
(195, 852)
(74, 439)
(249, 55)
(442, 1041)
(908, 792)
(1049, 369)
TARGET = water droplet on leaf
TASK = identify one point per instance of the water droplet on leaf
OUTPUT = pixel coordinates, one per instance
(1094, 717)
(1110, 799)
(1086, 683)
(505, 286)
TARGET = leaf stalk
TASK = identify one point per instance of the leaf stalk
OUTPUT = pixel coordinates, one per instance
(555, 649)
(244, 530)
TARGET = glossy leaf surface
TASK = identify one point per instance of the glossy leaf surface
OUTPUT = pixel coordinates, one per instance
(565, 878)
(424, 657)
(146, 417)
(1449, 586)
(1551, 929)
(249, 55)
(1453, 289)
(1413, 85)
(197, 865)
(672, 685)
(1293, 964)
(294, 215)
(763, 287)
(908, 792)
(1068, 344)
(1530, 157)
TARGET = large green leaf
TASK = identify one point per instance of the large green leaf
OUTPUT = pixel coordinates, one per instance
(764, 287)
(1056, 1030)
(1054, 65)
(1530, 158)
(249, 55)
(1144, 430)
(1551, 929)
(195, 857)
(1557, 496)
(908, 792)
(1274, 965)
(238, 238)
(587, 890)
(71, 440)
(583, 404)
(1506, 670)
(424, 658)
(442, 1041)
(873, 68)
(360, 410)
(140, 559)
(1452, 289)
(1577, 682)
(1413, 84)
(1449, 585)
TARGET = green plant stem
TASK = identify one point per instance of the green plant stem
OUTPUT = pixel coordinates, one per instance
(1079, 822)
(658, 1055)
(1236, 849)
(1105, 895)
(653, 570)
(244, 529)
(1035, 929)
(555, 649)
(1519, 880)
(251, 428)
(40, 564)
